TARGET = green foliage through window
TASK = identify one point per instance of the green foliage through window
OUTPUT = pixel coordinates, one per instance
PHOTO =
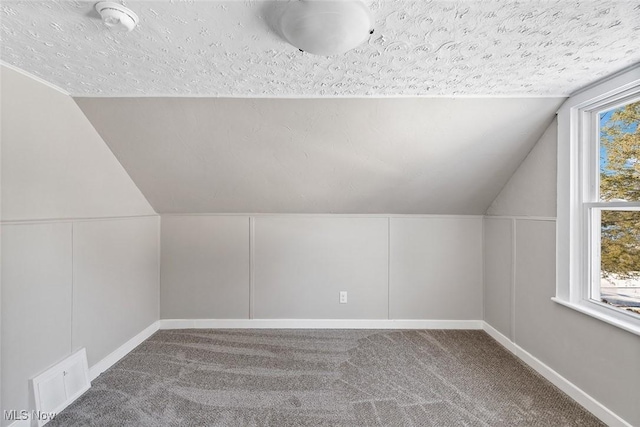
(620, 154)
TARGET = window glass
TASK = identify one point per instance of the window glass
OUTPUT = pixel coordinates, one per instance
(619, 176)
(620, 153)
(620, 259)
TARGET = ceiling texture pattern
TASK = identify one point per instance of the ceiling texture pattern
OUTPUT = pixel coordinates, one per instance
(233, 49)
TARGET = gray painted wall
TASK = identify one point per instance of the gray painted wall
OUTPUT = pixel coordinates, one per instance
(1, 405)
(301, 263)
(498, 276)
(67, 285)
(54, 163)
(436, 268)
(354, 156)
(66, 282)
(531, 191)
(205, 267)
(597, 357)
(36, 305)
(115, 282)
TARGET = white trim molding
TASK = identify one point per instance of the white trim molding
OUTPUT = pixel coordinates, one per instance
(521, 217)
(603, 413)
(315, 96)
(122, 351)
(79, 219)
(34, 77)
(318, 324)
(327, 215)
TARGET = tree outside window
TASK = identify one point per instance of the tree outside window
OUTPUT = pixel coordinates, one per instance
(620, 229)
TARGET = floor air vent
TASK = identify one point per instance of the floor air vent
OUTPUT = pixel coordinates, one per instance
(58, 386)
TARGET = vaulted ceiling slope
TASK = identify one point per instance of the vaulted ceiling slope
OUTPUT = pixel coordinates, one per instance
(233, 48)
(405, 156)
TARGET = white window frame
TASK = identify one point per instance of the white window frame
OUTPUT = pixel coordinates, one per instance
(578, 223)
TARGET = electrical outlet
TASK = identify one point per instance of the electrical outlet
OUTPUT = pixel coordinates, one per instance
(343, 297)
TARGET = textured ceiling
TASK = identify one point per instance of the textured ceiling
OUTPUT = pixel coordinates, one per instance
(419, 48)
(406, 156)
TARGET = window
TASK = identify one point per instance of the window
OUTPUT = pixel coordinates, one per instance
(598, 257)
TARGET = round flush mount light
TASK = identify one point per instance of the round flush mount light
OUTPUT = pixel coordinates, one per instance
(326, 27)
(116, 16)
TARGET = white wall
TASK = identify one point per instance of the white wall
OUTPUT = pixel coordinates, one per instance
(80, 244)
(422, 267)
(599, 358)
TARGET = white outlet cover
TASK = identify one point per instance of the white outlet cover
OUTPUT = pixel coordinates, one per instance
(343, 297)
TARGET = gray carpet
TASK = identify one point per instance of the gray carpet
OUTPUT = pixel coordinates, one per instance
(322, 378)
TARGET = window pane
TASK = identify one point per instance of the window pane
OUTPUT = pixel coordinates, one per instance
(620, 153)
(620, 259)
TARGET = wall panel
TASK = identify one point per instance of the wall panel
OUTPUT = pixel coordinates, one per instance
(116, 276)
(205, 267)
(498, 274)
(36, 305)
(436, 268)
(302, 263)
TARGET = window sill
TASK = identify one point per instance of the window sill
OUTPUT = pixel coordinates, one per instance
(627, 325)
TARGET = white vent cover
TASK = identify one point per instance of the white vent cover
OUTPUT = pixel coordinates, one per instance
(60, 385)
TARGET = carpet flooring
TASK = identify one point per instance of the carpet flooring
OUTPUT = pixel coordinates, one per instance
(322, 378)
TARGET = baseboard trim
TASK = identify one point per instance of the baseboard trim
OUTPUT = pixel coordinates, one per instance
(589, 403)
(318, 324)
(503, 340)
(122, 351)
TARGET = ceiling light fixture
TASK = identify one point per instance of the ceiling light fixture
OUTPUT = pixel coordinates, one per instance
(326, 27)
(116, 16)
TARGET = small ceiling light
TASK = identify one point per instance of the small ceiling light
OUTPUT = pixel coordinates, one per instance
(116, 16)
(326, 27)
